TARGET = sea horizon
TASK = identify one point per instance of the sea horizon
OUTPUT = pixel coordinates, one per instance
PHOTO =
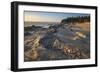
(42, 24)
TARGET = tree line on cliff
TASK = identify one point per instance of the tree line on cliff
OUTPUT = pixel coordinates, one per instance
(79, 19)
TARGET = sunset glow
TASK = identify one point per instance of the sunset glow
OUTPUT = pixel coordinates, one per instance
(30, 16)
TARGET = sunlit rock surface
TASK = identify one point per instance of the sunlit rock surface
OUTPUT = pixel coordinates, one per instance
(57, 42)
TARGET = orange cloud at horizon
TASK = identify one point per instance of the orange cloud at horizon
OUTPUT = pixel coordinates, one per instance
(30, 18)
(35, 18)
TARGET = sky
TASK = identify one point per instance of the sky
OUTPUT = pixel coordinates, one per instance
(36, 16)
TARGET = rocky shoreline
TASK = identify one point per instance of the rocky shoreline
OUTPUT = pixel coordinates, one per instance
(58, 42)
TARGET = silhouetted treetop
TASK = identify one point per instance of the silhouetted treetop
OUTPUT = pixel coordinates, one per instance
(76, 19)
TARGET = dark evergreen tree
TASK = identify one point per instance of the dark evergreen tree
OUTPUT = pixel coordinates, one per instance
(76, 19)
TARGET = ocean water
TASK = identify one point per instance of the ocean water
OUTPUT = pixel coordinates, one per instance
(41, 24)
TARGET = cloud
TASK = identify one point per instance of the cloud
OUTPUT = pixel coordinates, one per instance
(36, 18)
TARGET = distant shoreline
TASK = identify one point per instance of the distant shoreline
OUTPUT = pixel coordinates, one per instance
(26, 24)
